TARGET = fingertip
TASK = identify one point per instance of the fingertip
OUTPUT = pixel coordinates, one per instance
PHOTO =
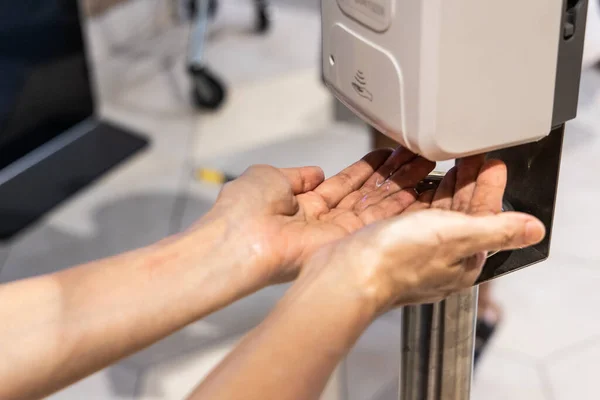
(472, 160)
(535, 231)
(495, 171)
(450, 176)
(313, 177)
(317, 171)
(377, 157)
(494, 163)
(303, 179)
(531, 230)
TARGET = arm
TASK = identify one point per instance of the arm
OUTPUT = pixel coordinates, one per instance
(294, 351)
(59, 328)
(420, 257)
(62, 327)
(406, 261)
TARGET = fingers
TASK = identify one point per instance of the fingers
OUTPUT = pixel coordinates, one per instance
(406, 177)
(467, 171)
(489, 190)
(400, 196)
(397, 159)
(456, 235)
(334, 189)
(445, 191)
(505, 231)
(433, 253)
(303, 179)
(389, 207)
(379, 180)
(451, 246)
(409, 175)
(423, 202)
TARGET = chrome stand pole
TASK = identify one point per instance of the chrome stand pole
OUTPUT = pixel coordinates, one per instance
(437, 349)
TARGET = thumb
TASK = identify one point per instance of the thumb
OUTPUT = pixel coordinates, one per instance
(303, 179)
(505, 231)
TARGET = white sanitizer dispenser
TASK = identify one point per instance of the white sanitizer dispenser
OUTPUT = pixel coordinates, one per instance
(446, 78)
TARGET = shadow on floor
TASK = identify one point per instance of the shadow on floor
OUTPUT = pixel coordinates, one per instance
(118, 226)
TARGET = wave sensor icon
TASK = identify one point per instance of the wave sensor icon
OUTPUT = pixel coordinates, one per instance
(360, 86)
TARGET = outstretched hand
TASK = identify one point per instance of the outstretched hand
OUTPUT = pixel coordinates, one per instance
(439, 244)
(283, 215)
(474, 186)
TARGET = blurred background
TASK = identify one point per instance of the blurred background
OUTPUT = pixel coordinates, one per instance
(277, 111)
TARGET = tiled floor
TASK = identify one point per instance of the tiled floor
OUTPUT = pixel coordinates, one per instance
(114, 383)
(549, 345)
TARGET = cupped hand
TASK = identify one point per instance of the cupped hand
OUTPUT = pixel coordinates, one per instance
(284, 215)
(474, 186)
(439, 245)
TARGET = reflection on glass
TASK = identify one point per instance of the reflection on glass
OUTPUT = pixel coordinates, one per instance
(44, 83)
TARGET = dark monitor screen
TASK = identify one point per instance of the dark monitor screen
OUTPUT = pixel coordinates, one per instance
(44, 82)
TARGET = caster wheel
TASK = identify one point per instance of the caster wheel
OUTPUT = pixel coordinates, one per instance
(208, 91)
(263, 23)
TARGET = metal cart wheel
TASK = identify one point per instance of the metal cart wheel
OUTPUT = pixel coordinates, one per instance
(208, 92)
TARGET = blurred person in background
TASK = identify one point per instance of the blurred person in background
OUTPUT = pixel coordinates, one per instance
(360, 243)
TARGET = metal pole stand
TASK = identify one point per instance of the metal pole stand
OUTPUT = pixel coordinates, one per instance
(437, 348)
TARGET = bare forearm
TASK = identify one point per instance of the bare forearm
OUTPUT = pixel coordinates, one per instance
(292, 354)
(62, 327)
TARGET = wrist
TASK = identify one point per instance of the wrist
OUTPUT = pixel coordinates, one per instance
(230, 242)
(335, 273)
(358, 266)
(208, 255)
(251, 240)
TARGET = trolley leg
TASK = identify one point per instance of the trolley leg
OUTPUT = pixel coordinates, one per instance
(198, 34)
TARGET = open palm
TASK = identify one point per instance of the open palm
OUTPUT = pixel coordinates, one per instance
(290, 213)
(474, 186)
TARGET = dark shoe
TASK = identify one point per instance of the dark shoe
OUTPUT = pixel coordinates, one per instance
(484, 331)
